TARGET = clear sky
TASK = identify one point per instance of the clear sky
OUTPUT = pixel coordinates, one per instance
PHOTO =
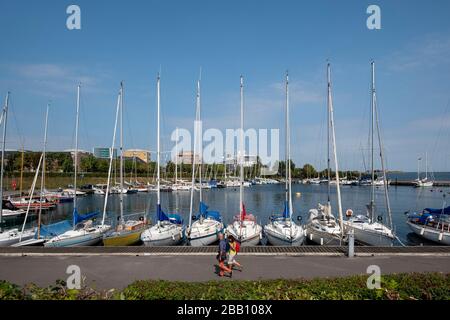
(41, 60)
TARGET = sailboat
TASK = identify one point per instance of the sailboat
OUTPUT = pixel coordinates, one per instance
(432, 224)
(11, 236)
(423, 182)
(84, 233)
(244, 228)
(207, 225)
(369, 229)
(322, 227)
(126, 232)
(281, 229)
(168, 229)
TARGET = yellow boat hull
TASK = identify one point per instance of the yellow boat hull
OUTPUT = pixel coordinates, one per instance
(125, 238)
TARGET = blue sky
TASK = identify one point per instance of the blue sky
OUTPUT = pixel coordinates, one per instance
(41, 60)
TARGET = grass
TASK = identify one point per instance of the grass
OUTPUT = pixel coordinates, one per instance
(405, 286)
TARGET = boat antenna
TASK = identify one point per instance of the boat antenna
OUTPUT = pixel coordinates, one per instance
(121, 152)
(333, 136)
(241, 162)
(4, 120)
(372, 120)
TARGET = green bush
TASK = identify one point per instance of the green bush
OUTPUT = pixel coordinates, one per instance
(406, 286)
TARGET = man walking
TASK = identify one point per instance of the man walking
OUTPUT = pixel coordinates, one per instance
(222, 256)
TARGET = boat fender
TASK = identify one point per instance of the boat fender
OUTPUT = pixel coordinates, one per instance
(422, 231)
(310, 236)
(349, 213)
(440, 236)
(321, 241)
(260, 236)
(173, 237)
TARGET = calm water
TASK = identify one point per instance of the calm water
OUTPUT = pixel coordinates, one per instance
(263, 200)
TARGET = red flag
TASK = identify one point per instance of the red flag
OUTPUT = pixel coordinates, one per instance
(243, 212)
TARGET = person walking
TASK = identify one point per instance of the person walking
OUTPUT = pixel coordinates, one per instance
(222, 256)
(233, 246)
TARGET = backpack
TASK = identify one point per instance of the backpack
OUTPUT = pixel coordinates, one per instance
(238, 246)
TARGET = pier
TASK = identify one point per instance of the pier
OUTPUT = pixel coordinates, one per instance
(117, 267)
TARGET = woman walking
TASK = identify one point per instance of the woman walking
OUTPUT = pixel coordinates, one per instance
(233, 246)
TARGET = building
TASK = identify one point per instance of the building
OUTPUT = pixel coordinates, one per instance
(139, 154)
(103, 153)
(186, 157)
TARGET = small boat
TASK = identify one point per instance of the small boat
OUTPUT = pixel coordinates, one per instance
(369, 229)
(169, 229)
(71, 192)
(423, 182)
(281, 229)
(84, 233)
(322, 227)
(244, 228)
(36, 203)
(9, 210)
(203, 229)
(127, 232)
(431, 224)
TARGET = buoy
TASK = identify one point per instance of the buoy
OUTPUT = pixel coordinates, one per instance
(298, 194)
(349, 212)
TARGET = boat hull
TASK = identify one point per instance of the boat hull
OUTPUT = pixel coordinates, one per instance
(125, 238)
(164, 235)
(205, 233)
(9, 238)
(369, 237)
(430, 233)
(323, 238)
(79, 241)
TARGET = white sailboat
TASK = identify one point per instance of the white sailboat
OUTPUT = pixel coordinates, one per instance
(84, 233)
(126, 232)
(322, 227)
(244, 228)
(168, 229)
(9, 237)
(282, 230)
(369, 229)
(207, 225)
(423, 182)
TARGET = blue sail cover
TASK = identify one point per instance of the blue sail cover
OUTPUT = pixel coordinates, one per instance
(54, 229)
(437, 211)
(81, 217)
(286, 210)
(203, 210)
(160, 215)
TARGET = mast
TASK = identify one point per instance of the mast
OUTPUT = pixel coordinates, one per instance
(121, 152)
(196, 133)
(241, 162)
(288, 153)
(372, 120)
(328, 142)
(21, 169)
(111, 156)
(158, 100)
(199, 129)
(43, 174)
(426, 165)
(386, 194)
(5, 118)
(331, 124)
(76, 152)
(176, 156)
(418, 169)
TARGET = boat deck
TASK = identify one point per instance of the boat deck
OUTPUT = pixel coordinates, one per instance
(212, 250)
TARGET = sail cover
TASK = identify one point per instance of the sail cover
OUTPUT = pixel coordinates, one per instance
(54, 229)
(82, 217)
(209, 214)
(437, 211)
(286, 210)
(161, 216)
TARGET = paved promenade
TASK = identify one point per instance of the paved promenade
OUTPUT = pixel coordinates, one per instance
(117, 271)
